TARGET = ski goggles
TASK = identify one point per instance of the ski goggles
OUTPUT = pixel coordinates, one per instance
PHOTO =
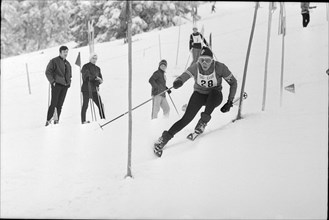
(206, 60)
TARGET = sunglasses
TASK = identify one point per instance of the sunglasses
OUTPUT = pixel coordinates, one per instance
(206, 60)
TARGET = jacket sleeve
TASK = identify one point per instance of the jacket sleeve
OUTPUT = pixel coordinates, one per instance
(85, 73)
(191, 42)
(231, 80)
(190, 72)
(153, 79)
(50, 72)
(100, 74)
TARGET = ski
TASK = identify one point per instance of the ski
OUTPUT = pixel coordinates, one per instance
(192, 136)
(157, 150)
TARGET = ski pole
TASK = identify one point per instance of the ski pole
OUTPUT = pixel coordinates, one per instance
(101, 126)
(173, 104)
(188, 59)
(244, 96)
(91, 100)
(100, 104)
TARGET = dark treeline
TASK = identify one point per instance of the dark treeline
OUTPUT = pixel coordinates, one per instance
(31, 25)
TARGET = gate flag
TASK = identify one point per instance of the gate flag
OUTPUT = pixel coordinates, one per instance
(290, 88)
(78, 61)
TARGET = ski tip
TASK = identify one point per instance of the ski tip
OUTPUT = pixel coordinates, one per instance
(157, 153)
(100, 126)
(192, 136)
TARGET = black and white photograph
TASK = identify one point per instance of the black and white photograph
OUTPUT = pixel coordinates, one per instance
(164, 109)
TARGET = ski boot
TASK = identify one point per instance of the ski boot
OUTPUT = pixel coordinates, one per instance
(161, 142)
(202, 123)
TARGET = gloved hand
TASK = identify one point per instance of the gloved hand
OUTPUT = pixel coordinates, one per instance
(227, 106)
(168, 91)
(98, 79)
(177, 83)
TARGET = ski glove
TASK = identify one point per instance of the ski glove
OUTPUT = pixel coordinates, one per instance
(100, 80)
(227, 106)
(177, 83)
(168, 91)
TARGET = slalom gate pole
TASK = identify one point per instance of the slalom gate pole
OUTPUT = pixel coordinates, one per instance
(247, 60)
(173, 104)
(81, 99)
(101, 126)
(100, 104)
(49, 96)
(188, 59)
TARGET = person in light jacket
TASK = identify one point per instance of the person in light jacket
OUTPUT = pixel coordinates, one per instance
(196, 42)
(158, 83)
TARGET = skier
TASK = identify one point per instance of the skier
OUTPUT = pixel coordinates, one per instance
(305, 13)
(213, 8)
(92, 78)
(197, 41)
(207, 75)
(59, 74)
(158, 83)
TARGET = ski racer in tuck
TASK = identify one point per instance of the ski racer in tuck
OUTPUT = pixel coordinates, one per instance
(208, 75)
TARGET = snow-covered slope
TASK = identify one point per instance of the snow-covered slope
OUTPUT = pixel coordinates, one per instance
(271, 164)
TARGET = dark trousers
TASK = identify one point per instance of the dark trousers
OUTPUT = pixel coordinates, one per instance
(58, 94)
(195, 54)
(197, 100)
(97, 100)
(306, 19)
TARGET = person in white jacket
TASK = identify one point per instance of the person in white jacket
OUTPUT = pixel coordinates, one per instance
(197, 41)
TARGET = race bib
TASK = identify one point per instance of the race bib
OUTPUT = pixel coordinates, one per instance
(207, 81)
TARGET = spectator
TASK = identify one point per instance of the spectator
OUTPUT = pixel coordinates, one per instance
(59, 75)
(197, 41)
(305, 13)
(158, 83)
(92, 78)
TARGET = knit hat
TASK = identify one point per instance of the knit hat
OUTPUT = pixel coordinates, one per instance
(205, 51)
(164, 62)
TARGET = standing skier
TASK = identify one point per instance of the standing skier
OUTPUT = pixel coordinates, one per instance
(158, 83)
(305, 13)
(207, 75)
(92, 78)
(196, 42)
(59, 75)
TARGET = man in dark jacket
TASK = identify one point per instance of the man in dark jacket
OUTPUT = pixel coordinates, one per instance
(197, 41)
(305, 13)
(59, 75)
(158, 83)
(92, 78)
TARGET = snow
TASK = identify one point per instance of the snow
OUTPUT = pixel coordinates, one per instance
(272, 164)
